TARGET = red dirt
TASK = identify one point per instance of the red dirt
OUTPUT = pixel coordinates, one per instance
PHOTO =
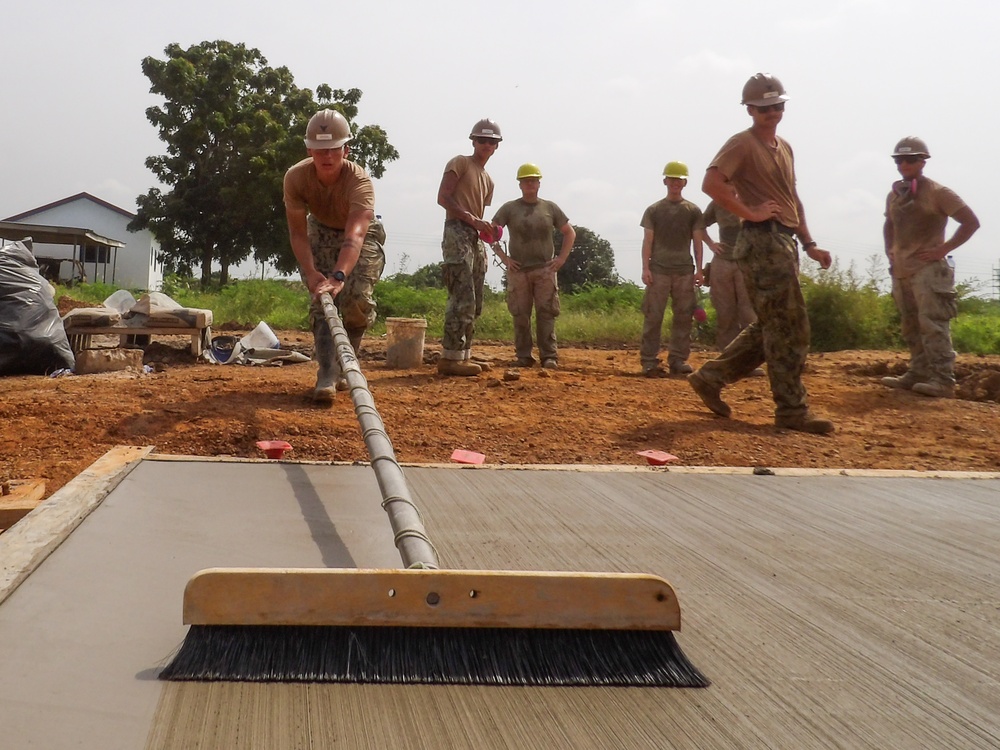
(595, 409)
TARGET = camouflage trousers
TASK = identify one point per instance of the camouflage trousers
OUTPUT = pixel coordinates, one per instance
(927, 302)
(769, 261)
(679, 290)
(355, 302)
(728, 292)
(464, 271)
(536, 288)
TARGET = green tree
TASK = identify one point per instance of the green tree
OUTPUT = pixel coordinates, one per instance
(592, 261)
(232, 126)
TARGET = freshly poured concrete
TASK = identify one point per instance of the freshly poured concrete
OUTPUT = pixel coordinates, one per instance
(829, 611)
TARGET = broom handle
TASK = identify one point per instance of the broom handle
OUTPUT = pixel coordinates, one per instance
(411, 539)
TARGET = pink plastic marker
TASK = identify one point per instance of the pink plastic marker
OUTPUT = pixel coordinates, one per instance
(657, 458)
(467, 457)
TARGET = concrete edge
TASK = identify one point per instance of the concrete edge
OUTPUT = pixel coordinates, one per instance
(26, 544)
(616, 468)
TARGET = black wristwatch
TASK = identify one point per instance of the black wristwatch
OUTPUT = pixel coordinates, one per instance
(338, 275)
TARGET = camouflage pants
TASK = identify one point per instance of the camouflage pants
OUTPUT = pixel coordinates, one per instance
(769, 261)
(355, 302)
(733, 311)
(534, 288)
(927, 302)
(679, 290)
(464, 271)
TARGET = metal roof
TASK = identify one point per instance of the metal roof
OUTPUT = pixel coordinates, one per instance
(49, 235)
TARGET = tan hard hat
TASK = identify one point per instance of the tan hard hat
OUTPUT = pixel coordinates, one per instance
(763, 89)
(327, 129)
(912, 146)
(486, 128)
(676, 169)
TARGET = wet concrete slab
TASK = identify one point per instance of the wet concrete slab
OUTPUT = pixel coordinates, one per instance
(829, 611)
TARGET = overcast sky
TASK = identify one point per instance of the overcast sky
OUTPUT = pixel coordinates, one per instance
(599, 94)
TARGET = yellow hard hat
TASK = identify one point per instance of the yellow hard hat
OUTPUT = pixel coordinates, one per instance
(676, 169)
(528, 170)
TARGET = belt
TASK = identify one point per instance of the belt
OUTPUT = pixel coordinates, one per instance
(770, 226)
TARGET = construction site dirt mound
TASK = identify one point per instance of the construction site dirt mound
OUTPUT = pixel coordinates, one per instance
(595, 409)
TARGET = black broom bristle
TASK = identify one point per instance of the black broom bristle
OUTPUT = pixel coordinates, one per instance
(454, 656)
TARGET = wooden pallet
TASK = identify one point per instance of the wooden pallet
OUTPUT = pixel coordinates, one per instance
(80, 336)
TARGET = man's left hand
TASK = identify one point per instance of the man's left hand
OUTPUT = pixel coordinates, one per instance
(931, 254)
(821, 256)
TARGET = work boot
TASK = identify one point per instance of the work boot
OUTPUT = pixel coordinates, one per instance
(326, 376)
(681, 368)
(550, 364)
(525, 362)
(905, 381)
(934, 389)
(654, 372)
(711, 395)
(456, 367)
(807, 422)
(342, 384)
(757, 372)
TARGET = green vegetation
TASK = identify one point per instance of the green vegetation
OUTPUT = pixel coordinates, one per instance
(845, 312)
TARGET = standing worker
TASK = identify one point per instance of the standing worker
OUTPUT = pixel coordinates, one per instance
(330, 208)
(466, 189)
(670, 226)
(753, 176)
(733, 311)
(532, 266)
(923, 280)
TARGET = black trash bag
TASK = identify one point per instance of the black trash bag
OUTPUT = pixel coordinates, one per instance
(32, 338)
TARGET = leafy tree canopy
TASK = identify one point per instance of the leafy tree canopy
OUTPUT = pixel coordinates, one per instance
(592, 261)
(232, 126)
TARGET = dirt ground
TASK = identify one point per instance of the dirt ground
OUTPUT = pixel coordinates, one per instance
(595, 409)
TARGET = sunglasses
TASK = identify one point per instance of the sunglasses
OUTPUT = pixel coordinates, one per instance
(485, 141)
(779, 107)
(907, 159)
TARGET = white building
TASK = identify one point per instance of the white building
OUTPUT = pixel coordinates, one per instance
(85, 233)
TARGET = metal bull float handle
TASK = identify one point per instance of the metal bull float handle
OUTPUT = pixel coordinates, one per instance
(411, 539)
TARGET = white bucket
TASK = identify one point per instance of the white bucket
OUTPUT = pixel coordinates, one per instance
(405, 342)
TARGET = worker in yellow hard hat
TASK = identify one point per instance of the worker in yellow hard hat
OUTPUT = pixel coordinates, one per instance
(671, 228)
(532, 266)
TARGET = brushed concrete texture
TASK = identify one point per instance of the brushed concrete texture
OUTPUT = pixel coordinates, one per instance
(85, 634)
(829, 611)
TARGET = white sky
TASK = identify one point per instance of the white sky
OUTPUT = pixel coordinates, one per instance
(600, 94)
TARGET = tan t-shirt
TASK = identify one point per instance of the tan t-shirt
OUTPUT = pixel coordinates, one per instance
(352, 191)
(530, 227)
(761, 173)
(918, 221)
(729, 228)
(673, 226)
(474, 191)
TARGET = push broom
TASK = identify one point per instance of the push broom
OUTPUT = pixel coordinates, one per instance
(422, 624)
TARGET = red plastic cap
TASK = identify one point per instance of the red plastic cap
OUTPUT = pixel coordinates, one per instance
(700, 315)
(274, 448)
(487, 235)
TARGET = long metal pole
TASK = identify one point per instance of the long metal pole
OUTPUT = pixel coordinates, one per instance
(411, 539)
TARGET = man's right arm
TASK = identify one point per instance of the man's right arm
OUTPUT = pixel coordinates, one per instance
(298, 237)
(718, 187)
(446, 199)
